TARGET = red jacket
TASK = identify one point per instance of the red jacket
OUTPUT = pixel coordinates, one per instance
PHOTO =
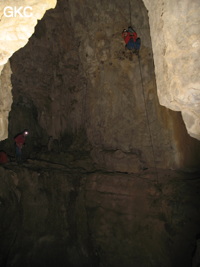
(128, 35)
(20, 140)
(3, 157)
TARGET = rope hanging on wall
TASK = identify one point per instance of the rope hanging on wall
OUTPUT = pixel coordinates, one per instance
(130, 11)
(148, 123)
(146, 113)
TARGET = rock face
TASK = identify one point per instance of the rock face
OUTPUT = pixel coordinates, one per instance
(53, 216)
(18, 20)
(6, 99)
(175, 47)
(16, 26)
(84, 87)
(95, 188)
(175, 35)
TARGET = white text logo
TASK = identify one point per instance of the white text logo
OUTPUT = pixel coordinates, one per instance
(21, 11)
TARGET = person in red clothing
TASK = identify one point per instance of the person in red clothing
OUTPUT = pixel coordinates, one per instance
(131, 40)
(19, 143)
(3, 157)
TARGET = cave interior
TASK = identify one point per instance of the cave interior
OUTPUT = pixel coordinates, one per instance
(109, 176)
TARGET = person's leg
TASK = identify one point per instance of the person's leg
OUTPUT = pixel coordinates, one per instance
(130, 44)
(18, 154)
(137, 44)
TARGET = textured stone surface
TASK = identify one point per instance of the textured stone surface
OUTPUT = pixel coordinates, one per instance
(14, 34)
(55, 216)
(5, 99)
(85, 88)
(17, 29)
(84, 198)
(175, 34)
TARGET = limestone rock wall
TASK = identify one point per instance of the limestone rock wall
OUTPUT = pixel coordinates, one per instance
(55, 216)
(81, 83)
(81, 78)
(120, 89)
(175, 37)
(48, 72)
(17, 27)
(175, 34)
(5, 99)
(15, 31)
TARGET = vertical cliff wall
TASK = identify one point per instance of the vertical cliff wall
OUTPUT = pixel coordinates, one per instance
(175, 34)
(17, 24)
(53, 216)
(82, 83)
(95, 190)
(174, 45)
(6, 99)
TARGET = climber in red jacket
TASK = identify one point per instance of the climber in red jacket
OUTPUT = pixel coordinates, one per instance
(19, 143)
(131, 40)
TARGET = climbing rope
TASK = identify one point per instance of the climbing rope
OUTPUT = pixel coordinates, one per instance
(146, 113)
(148, 122)
(130, 12)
